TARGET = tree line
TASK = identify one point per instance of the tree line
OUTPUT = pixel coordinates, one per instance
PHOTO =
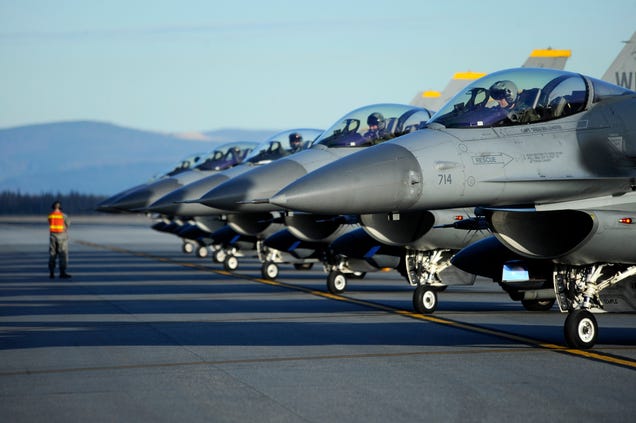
(72, 203)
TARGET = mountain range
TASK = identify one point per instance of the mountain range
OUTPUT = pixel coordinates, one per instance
(98, 158)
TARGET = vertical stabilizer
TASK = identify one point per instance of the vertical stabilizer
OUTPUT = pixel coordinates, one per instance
(623, 70)
(433, 100)
(548, 58)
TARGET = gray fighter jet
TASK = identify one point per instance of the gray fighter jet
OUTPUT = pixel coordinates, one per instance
(183, 201)
(425, 267)
(191, 168)
(358, 129)
(526, 139)
(427, 255)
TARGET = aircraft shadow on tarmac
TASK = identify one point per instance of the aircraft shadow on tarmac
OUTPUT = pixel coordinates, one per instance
(30, 293)
(250, 334)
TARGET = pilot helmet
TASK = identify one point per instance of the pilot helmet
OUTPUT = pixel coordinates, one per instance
(295, 137)
(376, 119)
(506, 90)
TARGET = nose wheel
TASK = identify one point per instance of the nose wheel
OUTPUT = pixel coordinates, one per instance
(580, 329)
(202, 252)
(219, 256)
(231, 263)
(336, 282)
(187, 247)
(269, 270)
(424, 300)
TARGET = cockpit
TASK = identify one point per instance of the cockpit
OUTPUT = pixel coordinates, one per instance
(187, 163)
(282, 144)
(226, 155)
(374, 124)
(522, 96)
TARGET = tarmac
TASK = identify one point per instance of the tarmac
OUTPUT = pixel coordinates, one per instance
(144, 332)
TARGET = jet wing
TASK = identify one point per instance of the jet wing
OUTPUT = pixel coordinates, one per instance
(626, 202)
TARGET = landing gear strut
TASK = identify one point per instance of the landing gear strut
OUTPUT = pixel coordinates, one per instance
(577, 290)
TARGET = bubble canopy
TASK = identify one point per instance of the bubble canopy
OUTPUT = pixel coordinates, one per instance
(521, 96)
(226, 155)
(282, 144)
(373, 124)
(186, 163)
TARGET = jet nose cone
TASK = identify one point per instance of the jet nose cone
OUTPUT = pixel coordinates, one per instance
(133, 200)
(141, 198)
(379, 179)
(170, 203)
(106, 206)
(259, 183)
(166, 204)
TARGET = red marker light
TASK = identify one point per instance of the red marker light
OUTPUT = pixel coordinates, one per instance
(625, 220)
(459, 217)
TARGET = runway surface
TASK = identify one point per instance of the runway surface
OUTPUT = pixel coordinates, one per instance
(143, 332)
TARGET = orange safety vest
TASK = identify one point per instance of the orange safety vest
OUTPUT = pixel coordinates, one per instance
(56, 222)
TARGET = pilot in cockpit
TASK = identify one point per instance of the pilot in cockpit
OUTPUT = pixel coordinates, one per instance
(377, 126)
(295, 142)
(505, 93)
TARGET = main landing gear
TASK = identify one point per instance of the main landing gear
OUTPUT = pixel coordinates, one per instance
(577, 290)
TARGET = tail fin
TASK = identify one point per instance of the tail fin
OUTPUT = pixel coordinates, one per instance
(623, 70)
(547, 58)
(433, 100)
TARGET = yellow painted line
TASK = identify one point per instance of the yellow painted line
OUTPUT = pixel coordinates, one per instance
(621, 361)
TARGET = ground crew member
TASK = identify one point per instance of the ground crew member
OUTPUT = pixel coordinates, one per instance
(58, 240)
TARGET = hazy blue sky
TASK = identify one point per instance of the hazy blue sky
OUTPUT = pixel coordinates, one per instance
(202, 65)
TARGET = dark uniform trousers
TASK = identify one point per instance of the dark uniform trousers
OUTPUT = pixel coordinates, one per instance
(58, 248)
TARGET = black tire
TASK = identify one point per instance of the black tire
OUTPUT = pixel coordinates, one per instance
(187, 248)
(303, 266)
(580, 329)
(219, 256)
(231, 263)
(202, 252)
(424, 300)
(269, 271)
(336, 282)
(538, 305)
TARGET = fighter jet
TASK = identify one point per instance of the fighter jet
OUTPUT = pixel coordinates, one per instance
(358, 129)
(205, 221)
(112, 204)
(191, 168)
(539, 150)
(426, 266)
